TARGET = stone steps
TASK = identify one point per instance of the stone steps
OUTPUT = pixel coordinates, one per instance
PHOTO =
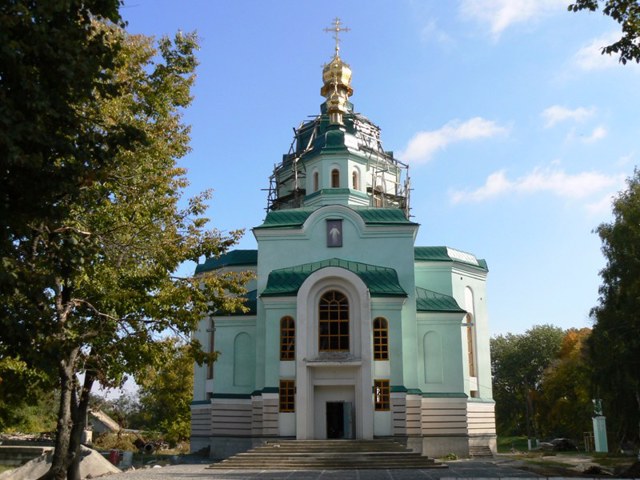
(327, 455)
(480, 451)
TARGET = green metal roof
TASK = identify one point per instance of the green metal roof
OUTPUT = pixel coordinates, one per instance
(295, 218)
(429, 301)
(447, 254)
(383, 216)
(250, 301)
(381, 281)
(229, 259)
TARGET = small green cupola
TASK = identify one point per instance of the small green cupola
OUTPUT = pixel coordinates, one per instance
(337, 158)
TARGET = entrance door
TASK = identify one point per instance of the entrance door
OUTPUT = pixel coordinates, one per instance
(335, 419)
(340, 421)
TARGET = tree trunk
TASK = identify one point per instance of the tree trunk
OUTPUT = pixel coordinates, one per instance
(79, 422)
(61, 454)
(638, 402)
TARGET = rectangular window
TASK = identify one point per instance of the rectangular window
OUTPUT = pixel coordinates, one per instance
(381, 395)
(380, 339)
(287, 395)
(287, 339)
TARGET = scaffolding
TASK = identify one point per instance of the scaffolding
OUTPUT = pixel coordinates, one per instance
(384, 169)
(388, 181)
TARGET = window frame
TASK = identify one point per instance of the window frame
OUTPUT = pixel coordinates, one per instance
(287, 396)
(335, 178)
(333, 322)
(287, 338)
(381, 395)
(355, 180)
(380, 339)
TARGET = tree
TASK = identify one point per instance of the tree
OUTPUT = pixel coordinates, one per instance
(565, 406)
(627, 14)
(26, 398)
(165, 394)
(614, 343)
(517, 364)
(124, 409)
(93, 285)
(52, 59)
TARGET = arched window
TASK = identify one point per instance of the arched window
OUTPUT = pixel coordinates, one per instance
(380, 339)
(471, 331)
(355, 180)
(243, 364)
(333, 322)
(433, 361)
(335, 178)
(287, 339)
(316, 181)
(470, 348)
(212, 347)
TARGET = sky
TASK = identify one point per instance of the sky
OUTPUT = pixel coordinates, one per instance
(517, 131)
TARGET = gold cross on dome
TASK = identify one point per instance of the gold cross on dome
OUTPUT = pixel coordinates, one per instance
(337, 28)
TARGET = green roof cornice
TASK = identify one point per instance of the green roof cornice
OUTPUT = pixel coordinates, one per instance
(234, 258)
(295, 218)
(448, 254)
(290, 218)
(383, 216)
(381, 281)
(429, 301)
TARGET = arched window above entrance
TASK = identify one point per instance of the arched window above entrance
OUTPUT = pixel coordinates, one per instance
(333, 322)
(380, 339)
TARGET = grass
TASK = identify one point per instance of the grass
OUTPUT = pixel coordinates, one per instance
(509, 444)
(4, 468)
(551, 464)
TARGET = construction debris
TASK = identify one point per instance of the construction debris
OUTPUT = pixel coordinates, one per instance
(92, 465)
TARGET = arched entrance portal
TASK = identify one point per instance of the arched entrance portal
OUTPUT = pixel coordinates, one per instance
(333, 363)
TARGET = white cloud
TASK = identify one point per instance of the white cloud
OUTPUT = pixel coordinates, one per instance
(598, 134)
(431, 32)
(502, 14)
(590, 56)
(602, 206)
(577, 186)
(424, 144)
(557, 113)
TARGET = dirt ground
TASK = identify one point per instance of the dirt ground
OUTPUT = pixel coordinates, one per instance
(573, 464)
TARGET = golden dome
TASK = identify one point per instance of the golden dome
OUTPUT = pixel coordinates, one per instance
(336, 79)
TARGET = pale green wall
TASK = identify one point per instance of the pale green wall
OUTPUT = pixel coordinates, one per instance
(227, 330)
(274, 309)
(447, 328)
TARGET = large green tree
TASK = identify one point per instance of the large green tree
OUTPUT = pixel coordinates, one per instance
(52, 60)
(165, 394)
(615, 343)
(627, 14)
(93, 288)
(518, 363)
(565, 406)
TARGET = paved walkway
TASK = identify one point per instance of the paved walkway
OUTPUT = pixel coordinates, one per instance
(457, 469)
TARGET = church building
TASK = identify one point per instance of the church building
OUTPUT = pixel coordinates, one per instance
(351, 331)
